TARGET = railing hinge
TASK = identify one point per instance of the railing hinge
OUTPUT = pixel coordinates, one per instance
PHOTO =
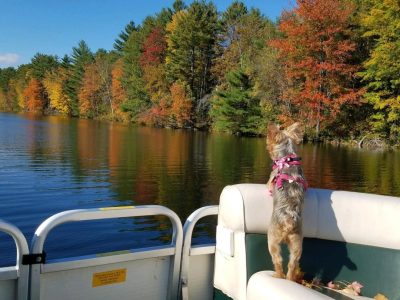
(33, 259)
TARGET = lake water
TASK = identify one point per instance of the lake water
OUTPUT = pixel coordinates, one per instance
(52, 164)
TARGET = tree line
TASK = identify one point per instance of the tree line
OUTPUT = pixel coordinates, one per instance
(331, 64)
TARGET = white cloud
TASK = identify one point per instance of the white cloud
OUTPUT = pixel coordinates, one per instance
(9, 59)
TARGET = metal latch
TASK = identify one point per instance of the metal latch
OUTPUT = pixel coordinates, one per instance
(33, 259)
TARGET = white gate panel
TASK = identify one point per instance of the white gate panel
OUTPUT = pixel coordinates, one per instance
(144, 279)
(148, 273)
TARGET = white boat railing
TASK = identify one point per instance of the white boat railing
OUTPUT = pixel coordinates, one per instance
(173, 250)
(189, 251)
(28, 277)
(19, 272)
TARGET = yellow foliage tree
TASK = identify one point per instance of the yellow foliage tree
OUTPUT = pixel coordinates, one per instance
(3, 100)
(19, 91)
(171, 27)
(155, 83)
(8, 98)
(54, 82)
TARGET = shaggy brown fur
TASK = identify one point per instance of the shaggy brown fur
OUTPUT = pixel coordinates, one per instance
(286, 221)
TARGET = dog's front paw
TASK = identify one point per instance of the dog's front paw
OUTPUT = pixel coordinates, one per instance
(270, 188)
(279, 275)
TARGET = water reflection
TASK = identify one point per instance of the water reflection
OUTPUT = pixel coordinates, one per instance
(51, 164)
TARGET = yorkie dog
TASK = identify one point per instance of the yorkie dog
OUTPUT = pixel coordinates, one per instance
(287, 185)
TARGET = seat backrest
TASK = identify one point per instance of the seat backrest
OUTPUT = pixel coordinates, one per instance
(348, 236)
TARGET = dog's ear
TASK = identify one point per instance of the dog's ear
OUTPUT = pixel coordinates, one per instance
(295, 132)
(273, 130)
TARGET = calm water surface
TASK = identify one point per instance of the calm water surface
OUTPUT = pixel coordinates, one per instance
(52, 164)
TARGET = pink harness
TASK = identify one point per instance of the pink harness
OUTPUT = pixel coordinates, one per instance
(287, 161)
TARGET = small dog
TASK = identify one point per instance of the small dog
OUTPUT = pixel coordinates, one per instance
(287, 185)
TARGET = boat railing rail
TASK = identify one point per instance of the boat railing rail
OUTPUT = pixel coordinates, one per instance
(188, 286)
(173, 250)
(18, 274)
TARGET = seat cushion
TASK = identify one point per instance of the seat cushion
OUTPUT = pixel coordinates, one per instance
(263, 286)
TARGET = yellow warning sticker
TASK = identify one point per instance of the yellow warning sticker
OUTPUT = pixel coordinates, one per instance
(109, 277)
(116, 207)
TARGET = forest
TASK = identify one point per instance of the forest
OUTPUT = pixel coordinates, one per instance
(333, 65)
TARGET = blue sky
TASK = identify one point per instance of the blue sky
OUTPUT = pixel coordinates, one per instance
(55, 26)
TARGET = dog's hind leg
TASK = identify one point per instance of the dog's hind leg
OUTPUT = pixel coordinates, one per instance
(295, 242)
(274, 248)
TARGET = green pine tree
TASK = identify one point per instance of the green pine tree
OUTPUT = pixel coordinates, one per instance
(81, 55)
(178, 5)
(42, 63)
(123, 37)
(138, 100)
(234, 109)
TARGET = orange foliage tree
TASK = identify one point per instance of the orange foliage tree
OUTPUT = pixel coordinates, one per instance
(117, 90)
(315, 51)
(34, 96)
(89, 92)
(181, 105)
(158, 115)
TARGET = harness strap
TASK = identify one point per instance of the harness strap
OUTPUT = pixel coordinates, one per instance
(286, 161)
(281, 177)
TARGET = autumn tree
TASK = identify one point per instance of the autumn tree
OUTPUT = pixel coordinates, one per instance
(3, 101)
(19, 84)
(315, 52)
(34, 96)
(95, 94)
(235, 109)
(191, 40)
(152, 64)
(54, 82)
(381, 23)
(138, 98)
(117, 90)
(88, 93)
(104, 62)
(181, 105)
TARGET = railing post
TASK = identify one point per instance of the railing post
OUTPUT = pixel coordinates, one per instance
(187, 243)
(22, 271)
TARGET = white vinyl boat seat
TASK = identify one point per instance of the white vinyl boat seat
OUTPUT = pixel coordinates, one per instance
(262, 285)
(348, 237)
